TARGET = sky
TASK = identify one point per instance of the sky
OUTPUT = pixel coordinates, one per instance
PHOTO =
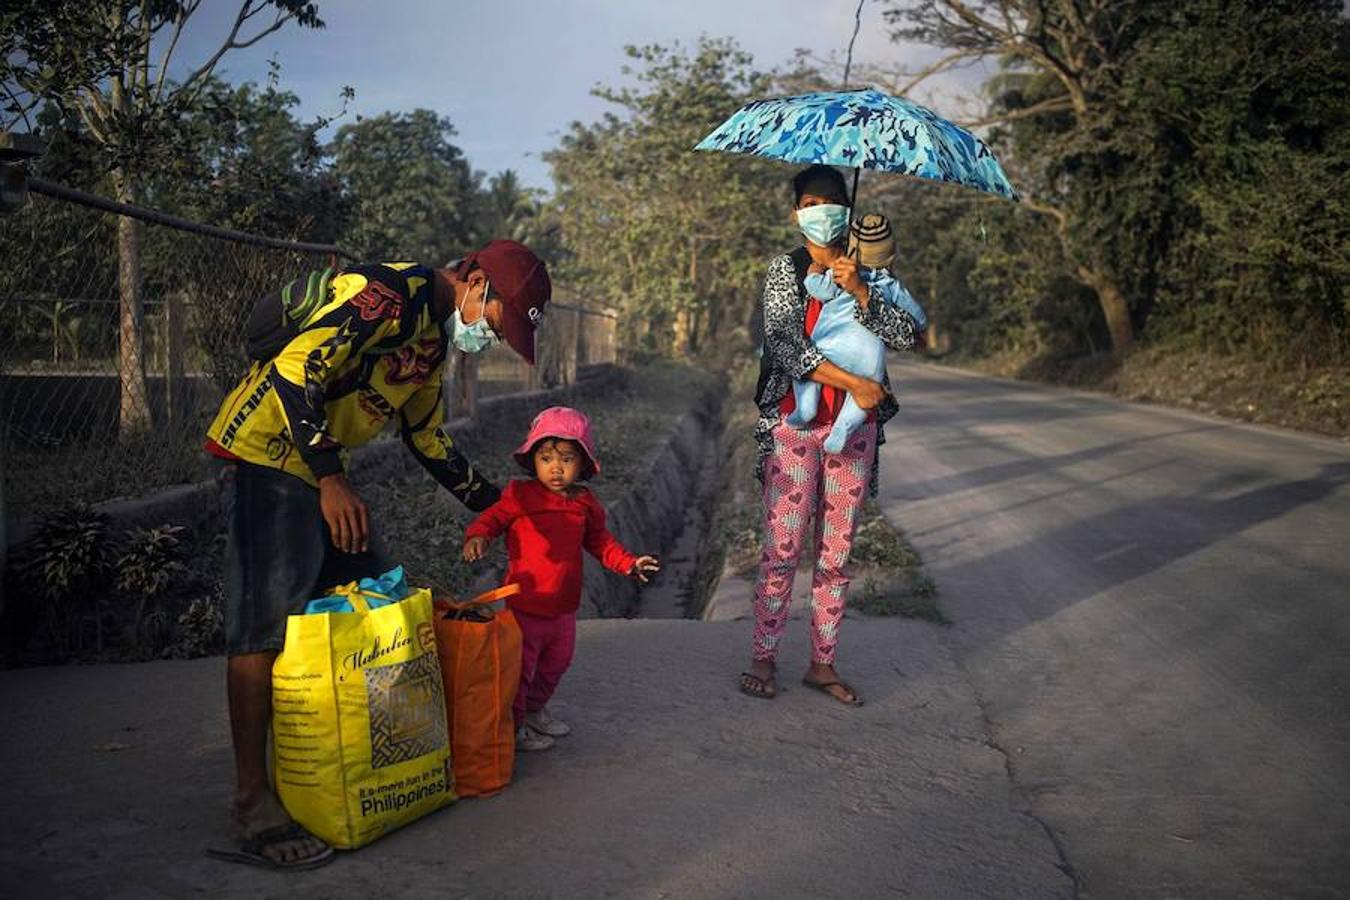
(511, 75)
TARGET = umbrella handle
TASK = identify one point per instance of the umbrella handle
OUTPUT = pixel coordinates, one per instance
(852, 211)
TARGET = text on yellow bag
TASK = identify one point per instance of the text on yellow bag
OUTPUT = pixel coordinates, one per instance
(359, 732)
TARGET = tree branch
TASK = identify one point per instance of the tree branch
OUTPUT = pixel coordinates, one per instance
(20, 107)
(1047, 209)
(945, 64)
(1055, 104)
(210, 64)
(187, 10)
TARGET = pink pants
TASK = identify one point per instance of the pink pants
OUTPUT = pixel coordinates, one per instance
(801, 479)
(546, 649)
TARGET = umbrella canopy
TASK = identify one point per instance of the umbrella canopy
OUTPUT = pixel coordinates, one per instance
(863, 129)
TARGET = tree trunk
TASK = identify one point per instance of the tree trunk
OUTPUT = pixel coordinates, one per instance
(1114, 306)
(134, 415)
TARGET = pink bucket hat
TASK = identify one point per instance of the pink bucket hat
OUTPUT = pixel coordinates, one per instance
(559, 422)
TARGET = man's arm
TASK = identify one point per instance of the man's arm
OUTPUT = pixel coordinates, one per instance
(421, 419)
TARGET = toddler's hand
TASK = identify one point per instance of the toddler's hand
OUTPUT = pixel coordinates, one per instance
(644, 568)
(474, 548)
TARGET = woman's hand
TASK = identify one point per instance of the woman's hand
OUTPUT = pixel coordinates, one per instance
(346, 514)
(475, 548)
(867, 393)
(847, 277)
(644, 568)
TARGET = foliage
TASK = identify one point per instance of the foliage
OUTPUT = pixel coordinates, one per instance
(1190, 156)
(150, 561)
(201, 629)
(413, 195)
(677, 240)
(60, 569)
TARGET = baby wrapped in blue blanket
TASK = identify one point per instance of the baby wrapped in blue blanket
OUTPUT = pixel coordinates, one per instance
(838, 335)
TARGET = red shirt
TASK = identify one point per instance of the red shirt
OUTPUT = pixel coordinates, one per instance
(545, 534)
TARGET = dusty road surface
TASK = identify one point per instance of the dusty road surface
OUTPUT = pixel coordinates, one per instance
(1154, 610)
(673, 785)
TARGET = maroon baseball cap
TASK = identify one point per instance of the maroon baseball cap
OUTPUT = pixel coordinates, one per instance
(521, 280)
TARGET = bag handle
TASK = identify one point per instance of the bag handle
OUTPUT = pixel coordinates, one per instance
(486, 598)
(357, 598)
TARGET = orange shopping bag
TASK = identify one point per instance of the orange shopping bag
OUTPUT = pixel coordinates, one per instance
(480, 666)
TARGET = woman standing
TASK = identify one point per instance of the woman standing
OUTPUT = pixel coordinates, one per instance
(800, 480)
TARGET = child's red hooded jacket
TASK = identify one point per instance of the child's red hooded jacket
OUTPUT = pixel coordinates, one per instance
(545, 534)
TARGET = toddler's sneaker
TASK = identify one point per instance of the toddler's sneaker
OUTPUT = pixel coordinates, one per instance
(544, 723)
(528, 739)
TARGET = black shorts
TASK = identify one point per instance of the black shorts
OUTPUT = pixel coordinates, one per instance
(278, 555)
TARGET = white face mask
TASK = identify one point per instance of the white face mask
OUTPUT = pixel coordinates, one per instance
(477, 336)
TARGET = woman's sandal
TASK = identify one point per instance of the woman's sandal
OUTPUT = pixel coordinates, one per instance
(754, 686)
(824, 687)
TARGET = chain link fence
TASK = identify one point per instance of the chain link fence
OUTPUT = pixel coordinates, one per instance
(570, 338)
(81, 419)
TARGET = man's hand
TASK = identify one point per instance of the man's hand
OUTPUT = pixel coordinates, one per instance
(475, 548)
(644, 568)
(867, 393)
(346, 514)
(846, 275)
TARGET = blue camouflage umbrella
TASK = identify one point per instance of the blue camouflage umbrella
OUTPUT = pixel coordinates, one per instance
(862, 129)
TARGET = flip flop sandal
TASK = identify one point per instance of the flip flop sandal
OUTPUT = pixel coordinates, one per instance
(250, 851)
(754, 686)
(824, 688)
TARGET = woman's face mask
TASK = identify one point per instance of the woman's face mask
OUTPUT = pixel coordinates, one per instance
(824, 223)
(477, 336)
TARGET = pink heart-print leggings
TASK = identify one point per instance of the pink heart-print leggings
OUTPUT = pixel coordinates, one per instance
(801, 479)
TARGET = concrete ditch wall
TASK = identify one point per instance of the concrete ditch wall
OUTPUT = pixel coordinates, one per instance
(650, 516)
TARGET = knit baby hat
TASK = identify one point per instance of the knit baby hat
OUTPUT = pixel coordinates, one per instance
(871, 242)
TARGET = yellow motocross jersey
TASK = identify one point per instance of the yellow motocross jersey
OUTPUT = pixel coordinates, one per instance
(372, 350)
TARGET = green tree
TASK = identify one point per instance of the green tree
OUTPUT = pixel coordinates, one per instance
(413, 195)
(1190, 159)
(677, 240)
(107, 62)
(1063, 61)
(258, 169)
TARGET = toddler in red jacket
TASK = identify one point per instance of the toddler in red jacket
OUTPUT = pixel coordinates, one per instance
(548, 520)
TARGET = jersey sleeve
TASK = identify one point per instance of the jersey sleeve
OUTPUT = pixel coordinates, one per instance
(421, 418)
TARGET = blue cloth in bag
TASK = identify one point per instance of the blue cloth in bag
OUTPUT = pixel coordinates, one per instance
(391, 584)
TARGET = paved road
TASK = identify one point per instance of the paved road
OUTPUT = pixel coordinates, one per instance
(1154, 610)
(673, 785)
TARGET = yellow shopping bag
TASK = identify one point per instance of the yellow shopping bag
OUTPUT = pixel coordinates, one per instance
(359, 735)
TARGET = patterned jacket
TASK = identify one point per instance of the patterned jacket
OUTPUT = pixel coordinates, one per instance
(789, 353)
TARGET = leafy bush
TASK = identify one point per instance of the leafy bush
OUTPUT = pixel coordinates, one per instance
(60, 572)
(151, 561)
(201, 629)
